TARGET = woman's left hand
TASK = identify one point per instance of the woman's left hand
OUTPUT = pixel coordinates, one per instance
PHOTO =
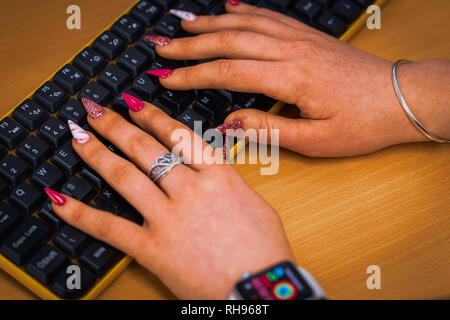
(203, 225)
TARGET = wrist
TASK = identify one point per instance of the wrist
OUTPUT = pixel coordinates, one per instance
(426, 91)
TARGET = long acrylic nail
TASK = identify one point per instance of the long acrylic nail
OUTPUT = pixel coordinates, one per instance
(157, 40)
(93, 109)
(184, 15)
(56, 197)
(133, 103)
(232, 125)
(233, 2)
(161, 73)
(79, 134)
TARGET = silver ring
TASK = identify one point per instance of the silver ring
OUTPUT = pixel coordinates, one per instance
(163, 165)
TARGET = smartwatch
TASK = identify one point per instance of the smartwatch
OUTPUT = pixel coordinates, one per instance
(282, 281)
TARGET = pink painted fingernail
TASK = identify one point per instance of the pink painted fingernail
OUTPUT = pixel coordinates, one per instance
(184, 15)
(133, 103)
(161, 73)
(233, 2)
(232, 125)
(93, 109)
(79, 134)
(56, 197)
(158, 40)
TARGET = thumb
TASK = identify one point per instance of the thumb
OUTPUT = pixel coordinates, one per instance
(294, 134)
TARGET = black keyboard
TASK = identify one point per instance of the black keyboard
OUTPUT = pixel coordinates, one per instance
(37, 151)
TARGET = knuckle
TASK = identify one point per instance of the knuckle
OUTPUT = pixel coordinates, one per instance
(104, 226)
(224, 68)
(122, 174)
(228, 37)
(112, 124)
(139, 144)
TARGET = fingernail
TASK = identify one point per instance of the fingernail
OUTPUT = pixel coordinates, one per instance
(184, 15)
(233, 2)
(158, 40)
(232, 125)
(56, 197)
(79, 134)
(133, 103)
(161, 73)
(93, 109)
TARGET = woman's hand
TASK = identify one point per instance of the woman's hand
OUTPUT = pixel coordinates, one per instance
(203, 226)
(345, 95)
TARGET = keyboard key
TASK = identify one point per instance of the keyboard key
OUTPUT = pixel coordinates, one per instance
(193, 120)
(146, 12)
(169, 26)
(70, 79)
(120, 106)
(128, 28)
(99, 258)
(110, 201)
(189, 6)
(161, 63)
(26, 197)
(90, 61)
(47, 176)
(207, 4)
(308, 10)
(267, 5)
(97, 93)
(54, 132)
(34, 151)
(325, 3)
(3, 152)
(30, 114)
(211, 106)
(50, 97)
(9, 218)
(71, 240)
(146, 46)
(218, 9)
(92, 176)
(23, 242)
(250, 100)
(133, 60)
(60, 288)
(109, 45)
(73, 110)
(13, 170)
(79, 189)
(364, 3)
(147, 87)
(166, 110)
(331, 24)
(46, 263)
(177, 101)
(4, 190)
(47, 214)
(11, 133)
(67, 159)
(347, 10)
(114, 78)
(165, 4)
(281, 4)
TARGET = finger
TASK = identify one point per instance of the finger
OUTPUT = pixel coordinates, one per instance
(172, 133)
(243, 22)
(141, 148)
(226, 44)
(118, 232)
(244, 8)
(299, 135)
(120, 174)
(237, 75)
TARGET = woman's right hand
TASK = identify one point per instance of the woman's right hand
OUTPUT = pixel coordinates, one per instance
(345, 95)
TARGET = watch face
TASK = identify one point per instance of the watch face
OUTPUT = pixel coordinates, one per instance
(280, 282)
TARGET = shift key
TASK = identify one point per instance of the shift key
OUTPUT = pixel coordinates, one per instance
(21, 244)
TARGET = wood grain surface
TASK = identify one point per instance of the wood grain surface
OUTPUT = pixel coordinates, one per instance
(390, 208)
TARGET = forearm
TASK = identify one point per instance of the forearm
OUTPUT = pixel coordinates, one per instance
(426, 88)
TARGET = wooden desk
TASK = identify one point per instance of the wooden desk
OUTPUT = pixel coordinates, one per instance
(391, 208)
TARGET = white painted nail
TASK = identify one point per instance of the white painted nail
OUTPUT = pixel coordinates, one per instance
(79, 134)
(185, 15)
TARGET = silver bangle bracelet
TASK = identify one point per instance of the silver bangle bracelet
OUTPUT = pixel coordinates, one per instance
(413, 119)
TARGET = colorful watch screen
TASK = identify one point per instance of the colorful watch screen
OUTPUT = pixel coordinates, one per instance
(280, 282)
